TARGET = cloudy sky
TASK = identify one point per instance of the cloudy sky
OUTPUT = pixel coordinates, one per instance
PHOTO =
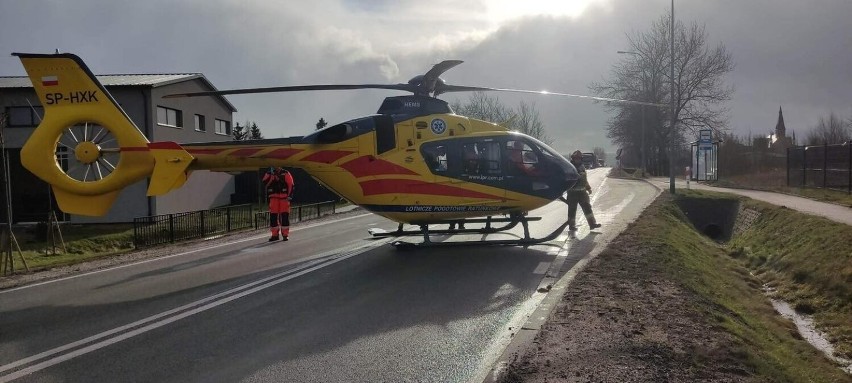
(789, 53)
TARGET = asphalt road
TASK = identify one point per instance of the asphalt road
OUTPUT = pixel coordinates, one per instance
(331, 304)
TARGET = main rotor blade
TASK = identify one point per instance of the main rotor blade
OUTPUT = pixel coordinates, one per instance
(433, 74)
(298, 88)
(462, 88)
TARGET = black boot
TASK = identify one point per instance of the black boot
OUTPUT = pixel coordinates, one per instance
(274, 238)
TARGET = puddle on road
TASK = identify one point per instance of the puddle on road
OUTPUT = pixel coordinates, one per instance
(805, 325)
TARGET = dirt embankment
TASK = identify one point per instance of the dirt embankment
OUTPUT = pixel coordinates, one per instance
(624, 320)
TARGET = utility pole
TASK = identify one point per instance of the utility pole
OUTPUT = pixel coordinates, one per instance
(672, 107)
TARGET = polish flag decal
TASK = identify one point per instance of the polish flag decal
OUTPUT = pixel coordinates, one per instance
(49, 81)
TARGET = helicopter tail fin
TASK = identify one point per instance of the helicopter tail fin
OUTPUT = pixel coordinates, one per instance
(86, 147)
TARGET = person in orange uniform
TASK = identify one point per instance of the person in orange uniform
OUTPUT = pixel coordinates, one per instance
(279, 189)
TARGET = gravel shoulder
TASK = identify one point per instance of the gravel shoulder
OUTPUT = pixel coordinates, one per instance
(624, 320)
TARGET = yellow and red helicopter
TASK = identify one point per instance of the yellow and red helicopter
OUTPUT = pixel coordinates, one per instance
(414, 161)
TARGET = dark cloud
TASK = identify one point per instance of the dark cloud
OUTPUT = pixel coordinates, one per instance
(788, 53)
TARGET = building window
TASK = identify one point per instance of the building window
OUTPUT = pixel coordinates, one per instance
(199, 123)
(223, 127)
(24, 116)
(169, 117)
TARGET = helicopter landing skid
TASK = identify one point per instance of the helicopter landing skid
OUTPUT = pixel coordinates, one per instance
(525, 241)
(487, 229)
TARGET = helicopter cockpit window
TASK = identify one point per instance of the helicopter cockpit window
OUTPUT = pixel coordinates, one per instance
(441, 158)
(436, 157)
(522, 158)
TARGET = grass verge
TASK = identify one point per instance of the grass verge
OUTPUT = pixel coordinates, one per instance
(82, 243)
(808, 261)
(730, 298)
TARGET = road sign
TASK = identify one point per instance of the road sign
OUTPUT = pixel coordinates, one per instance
(705, 136)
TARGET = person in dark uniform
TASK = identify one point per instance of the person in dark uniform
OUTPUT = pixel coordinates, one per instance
(279, 189)
(579, 194)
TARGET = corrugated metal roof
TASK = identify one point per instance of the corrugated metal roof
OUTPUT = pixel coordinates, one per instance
(154, 80)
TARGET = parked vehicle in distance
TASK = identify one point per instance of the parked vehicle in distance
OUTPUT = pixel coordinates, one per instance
(590, 160)
(601, 163)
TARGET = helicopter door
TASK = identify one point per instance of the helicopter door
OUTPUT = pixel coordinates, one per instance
(473, 165)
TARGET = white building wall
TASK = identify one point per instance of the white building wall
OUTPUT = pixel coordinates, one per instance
(203, 190)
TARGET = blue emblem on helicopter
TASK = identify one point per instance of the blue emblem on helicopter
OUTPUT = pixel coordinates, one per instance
(439, 126)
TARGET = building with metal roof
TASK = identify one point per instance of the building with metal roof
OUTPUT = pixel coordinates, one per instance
(181, 120)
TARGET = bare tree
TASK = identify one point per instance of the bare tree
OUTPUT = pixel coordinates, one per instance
(829, 130)
(483, 107)
(525, 119)
(528, 121)
(700, 92)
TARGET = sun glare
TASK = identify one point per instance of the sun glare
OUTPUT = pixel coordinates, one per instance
(502, 10)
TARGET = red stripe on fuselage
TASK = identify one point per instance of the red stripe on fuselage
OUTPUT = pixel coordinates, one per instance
(327, 156)
(371, 166)
(244, 152)
(283, 153)
(205, 151)
(164, 145)
(374, 187)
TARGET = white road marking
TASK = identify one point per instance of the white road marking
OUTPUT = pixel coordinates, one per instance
(200, 306)
(252, 238)
(541, 268)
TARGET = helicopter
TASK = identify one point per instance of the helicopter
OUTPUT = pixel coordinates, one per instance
(414, 161)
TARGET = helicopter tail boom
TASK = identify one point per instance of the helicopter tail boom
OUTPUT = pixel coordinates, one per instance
(86, 147)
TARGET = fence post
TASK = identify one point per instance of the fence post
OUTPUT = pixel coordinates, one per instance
(203, 229)
(825, 165)
(300, 214)
(171, 228)
(135, 234)
(805, 166)
(318, 209)
(228, 219)
(788, 167)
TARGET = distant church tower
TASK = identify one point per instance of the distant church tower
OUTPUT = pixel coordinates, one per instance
(780, 129)
(779, 141)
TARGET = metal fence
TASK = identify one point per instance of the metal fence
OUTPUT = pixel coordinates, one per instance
(298, 213)
(821, 166)
(171, 228)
